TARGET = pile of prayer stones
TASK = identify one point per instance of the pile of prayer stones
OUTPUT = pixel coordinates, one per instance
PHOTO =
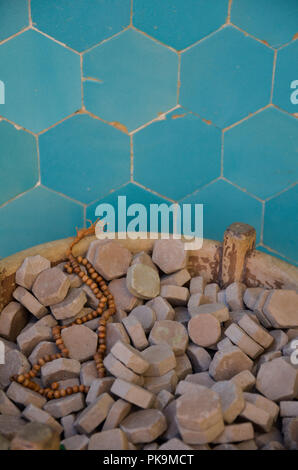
(188, 365)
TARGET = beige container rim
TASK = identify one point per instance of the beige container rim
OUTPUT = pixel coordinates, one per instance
(261, 269)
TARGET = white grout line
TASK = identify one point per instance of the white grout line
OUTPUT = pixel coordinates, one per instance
(249, 116)
(26, 28)
(179, 78)
(55, 40)
(63, 195)
(136, 183)
(105, 40)
(281, 192)
(203, 39)
(229, 12)
(131, 158)
(198, 189)
(131, 12)
(19, 195)
(159, 118)
(17, 126)
(262, 222)
(244, 190)
(154, 39)
(222, 155)
(108, 193)
(38, 159)
(273, 75)
(253, 37)
(291, 260)
(29, 13)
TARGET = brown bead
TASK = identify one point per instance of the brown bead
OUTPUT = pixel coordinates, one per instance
(27, 376)
(93, 285)
(65, 352)
(82, 388)
(95, 291)
(75, 389)
(89, 316)
(78, 321)
(81, 274)
(32, 374)
(69, 391)
(69, 270)
(36, 367)
(80, 259)
(59, 341)
(50, 394)
(63, 392)
(95, 314)
(84, 319)
(89, 282)
(21, 379)
(84, 261)
(57, 394)
(26, 382)
(102, 347)
(54, 386)
(77, 270)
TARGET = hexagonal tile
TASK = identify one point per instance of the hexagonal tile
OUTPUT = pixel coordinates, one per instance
(14, 16)
(84, 158)
(37, 217)
(42, 81)
(284, 95)
(281, 223)
(134, 195)
(18, 161)
(271, 21)
(223, 205)
(83, 23)
(136, 79)
(175, 150)
(180, 23)
(226, 77)
(261, 153)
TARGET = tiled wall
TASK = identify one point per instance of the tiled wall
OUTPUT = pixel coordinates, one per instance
(159, 100)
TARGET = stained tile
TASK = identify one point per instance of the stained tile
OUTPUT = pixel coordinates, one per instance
(84, 158)
(179, 23)
(135, 79)
(18, 161)
(42, 81)
(134, 195)
(176, 156)
(226, 77)
(261, 153)
(273, 21)
(281, 223)
(36, 217)
(223, 205)
(284, 95)
(14, 16)
(83, 23)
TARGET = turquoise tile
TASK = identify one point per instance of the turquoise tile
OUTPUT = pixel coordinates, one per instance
(275, 255)
(138, 79)
(223, 205)
(134, 195)
(42, 81)
(84, 158)
(37, 217)
(285, 92)
(14, 16)
(226, 77)
(281, 223)
(274, 21)
(261, 153)
(18, 161)
(81, 23)
(179, 23)
(176, 156)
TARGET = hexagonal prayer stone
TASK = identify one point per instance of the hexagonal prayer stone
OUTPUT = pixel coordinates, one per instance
(143, 281)
(277, 380)
(36, 436)
(227, 363)
(133, 393)
(144, 426)
(131, 357)
(80, 341)
(115, 332)
(178, 278)
(64, 406)
(136, 332)
(232, 400)
(162, 308)
(13, 319)
(94, 414)
(119, 410)
(124, 299)
(204, 329)
(145, 315)
(199, 410)
(117, 369)
(31, 267)
(113, 439)
(171, 333)
(31, 336)
(71, 305)
(111, 260)
(280, 308)
(29, 302)
(160, 358)
(51, 286)
(60, 369)
(169, 255)
(15, 364)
